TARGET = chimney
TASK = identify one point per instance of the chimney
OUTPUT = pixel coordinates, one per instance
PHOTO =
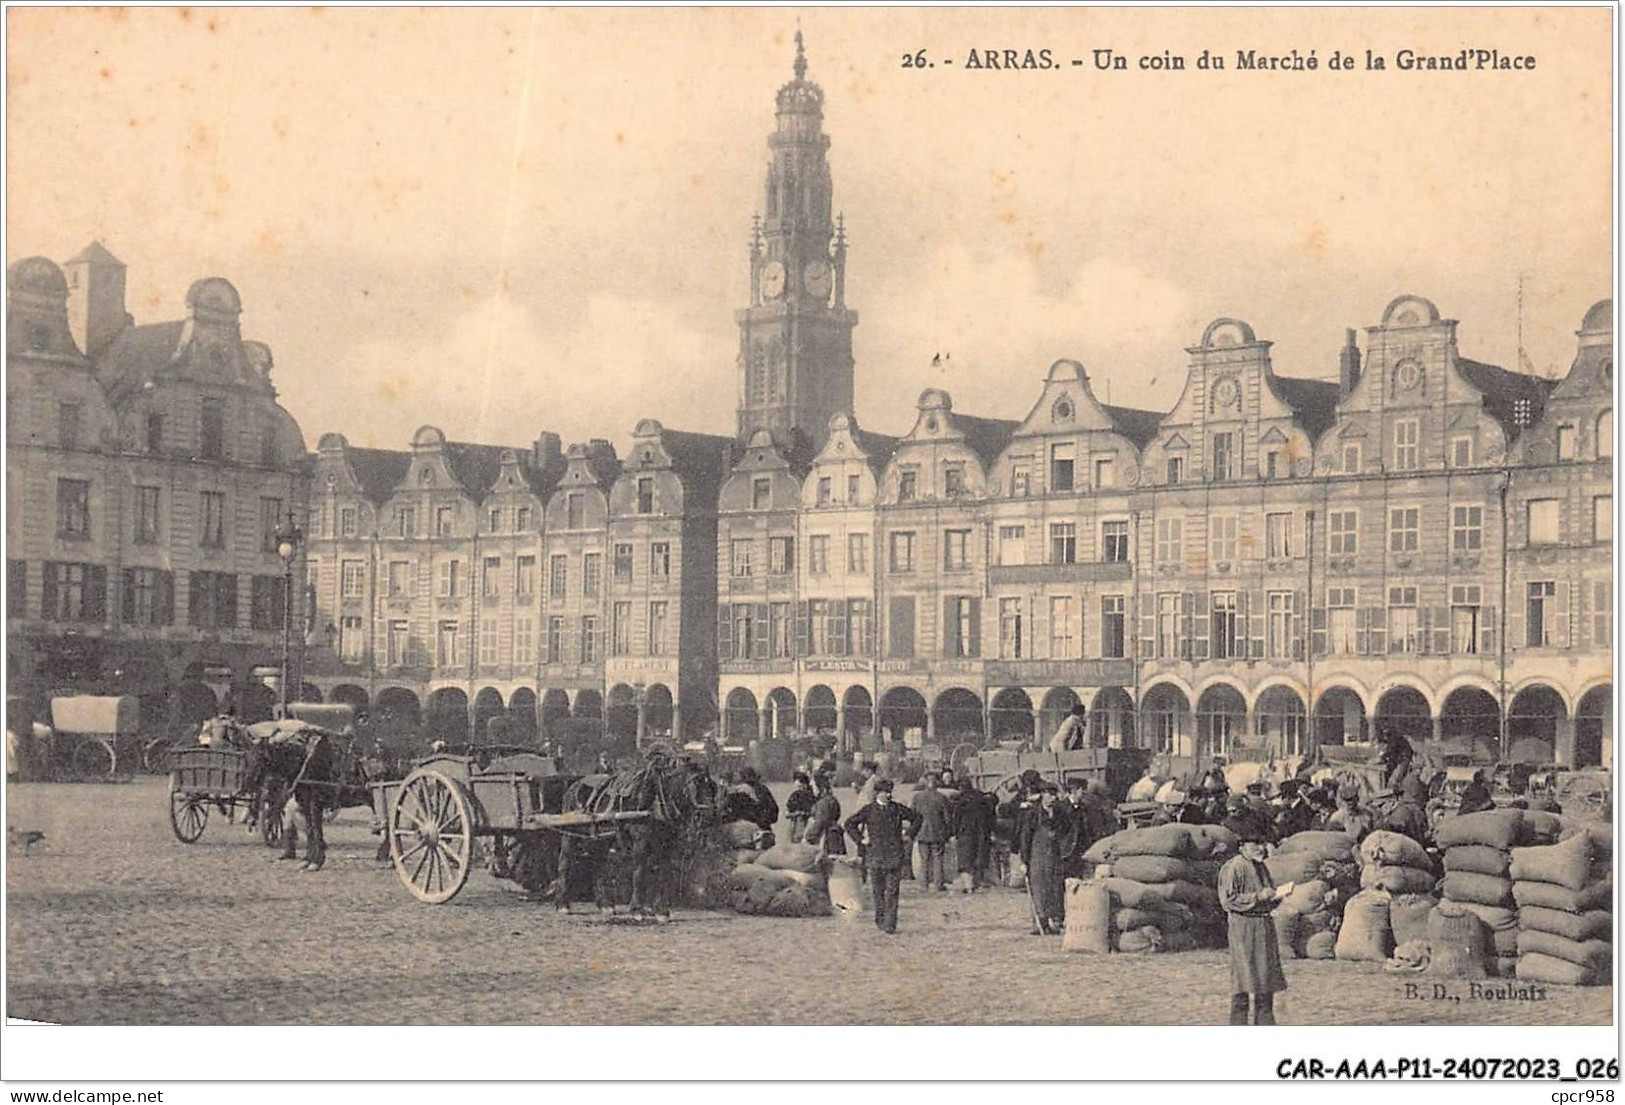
(548, 453)
(95, 298)
(1348, 364)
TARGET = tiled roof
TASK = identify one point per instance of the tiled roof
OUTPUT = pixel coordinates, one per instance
(879, 447)
(1136, 425)
(94, 254)
(1502, 390)
(987, 437)
(1315, 401)
(380, 471)
(138, 354)
(475, 466)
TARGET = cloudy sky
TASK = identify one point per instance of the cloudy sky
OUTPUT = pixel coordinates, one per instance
(502, 222)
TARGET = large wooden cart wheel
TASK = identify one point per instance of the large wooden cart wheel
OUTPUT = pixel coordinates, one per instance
(431, 836)
(273, 796)
(155, 756)
(188, 814)
(1585, 796)
(94, 759)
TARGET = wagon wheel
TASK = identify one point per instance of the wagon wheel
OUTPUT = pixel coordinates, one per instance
(94, 759)
(431, 833)
(962, 751)
(155, 756)
(272, 797)
(188, 814)
(1585, 797)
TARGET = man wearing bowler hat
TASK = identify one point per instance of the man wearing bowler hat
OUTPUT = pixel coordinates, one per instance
(885, 830)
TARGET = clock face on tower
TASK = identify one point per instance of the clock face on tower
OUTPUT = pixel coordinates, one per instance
(772, 280)
(815, 278)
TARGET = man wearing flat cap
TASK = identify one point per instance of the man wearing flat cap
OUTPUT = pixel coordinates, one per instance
(884, 830)
(1248, 894)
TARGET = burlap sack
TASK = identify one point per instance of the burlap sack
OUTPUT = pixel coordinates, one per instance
(1492, 828)
(1088, 917)
(1464, 886)
(1408, 916)
(1322, 945)
(1566, 864)
(1478, 859)
(1388, 849)
(1321, 845)
(1457, 944)
(1596, 955)
(790, 857)
(1159, 840)
(1599, 895)
(1307, 897)
(1147, 939)
(1292, 867)
(1397, 880)
(1138, 894)
(1540, 967)
(1287, 931)
(1366, 934)
(1592, 925)
(1152, 869)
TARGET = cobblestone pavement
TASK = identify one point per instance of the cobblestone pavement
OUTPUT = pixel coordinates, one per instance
(111, 920)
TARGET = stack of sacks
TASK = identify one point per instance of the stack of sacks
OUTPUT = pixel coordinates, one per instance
(1324, 867)
(1477, 855)
(1564, 893)
(1395, 863)
(744, 839)
(1165, 881)
(784, 881)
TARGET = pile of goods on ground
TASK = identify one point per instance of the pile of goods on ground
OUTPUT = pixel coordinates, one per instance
(1477, 854)
(1326, 870)
(1395, 871)
(746, 872)
(1160, 886)
(1564, 895)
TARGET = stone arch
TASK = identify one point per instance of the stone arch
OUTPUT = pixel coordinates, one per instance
(555, 707)
(1403, 710)
(350, 695)
(1111, 719)
(901, 709)
(859, 707)
(819, 711)
(487, 707)
(1053, 709)
(659, 710)
(589, 703)
(1594, 727)
(1281, 720)
(1165, 718)
(739, 716)
(521, 715)
(1339, 716)
(1413, 683)
(621, 711)
(309, 692)
(1536, 718)
(1221, 718)
(448, 715)
(781, 704)
(956, 716)
(1011, 715)
(1471, 717)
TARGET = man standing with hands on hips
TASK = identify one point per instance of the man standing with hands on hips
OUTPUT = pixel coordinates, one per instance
(884, 830)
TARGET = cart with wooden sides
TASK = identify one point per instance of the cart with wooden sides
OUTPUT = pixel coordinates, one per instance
(203, 778)
(432, 819)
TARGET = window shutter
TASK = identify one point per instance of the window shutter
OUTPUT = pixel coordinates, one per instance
(1297, 625)
(1148, 627)
(1561, 630)
(1082, 644)
(804, 643)
(900, 626)
(1256, 618)
(975, 626)
(48, 605)
(1424, 630)
(1441, 630)
(1362, 631)
(226, 601)
(127, 596)
(95, 593)
(1317, 630)
(1377, 622)
(1202, 626)
(871, 626)
(1514, 620)
(1487, 627)
(165, 613)
(950, 627)
(1187, 627)
(761, 645)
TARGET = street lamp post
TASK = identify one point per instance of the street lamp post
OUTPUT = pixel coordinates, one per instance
(288, 539)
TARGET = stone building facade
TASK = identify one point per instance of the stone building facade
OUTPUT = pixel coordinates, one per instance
(149, 470)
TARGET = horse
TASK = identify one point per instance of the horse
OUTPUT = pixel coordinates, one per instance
(303, 759)
(680, 802)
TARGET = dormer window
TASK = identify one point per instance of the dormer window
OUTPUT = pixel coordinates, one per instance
(1061, 460)
(824, 490)
(1407, 435)
(646, 495)
(761, 497)
(908, 484)
(1224, 456)
(1020, 481)
(212, 430)
(1461, 452)
(953, 481)
(1105, 473)
(1351, 458)
(1565, 441)
(1176, 470)
(575, 511)
(1605, 433)
(445, 521)
(1274, 464)
(155, 433)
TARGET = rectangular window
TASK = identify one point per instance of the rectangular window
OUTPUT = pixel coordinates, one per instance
(575, 509)
(445, 521)
(900, 628)
(524, 577)
(956, 550)
(555, 640)
(1461, 452)
(818, 554)
(1274, 464)
(491, 584)
(521, 519)
(1543, 521)
(149, 597)
(1021, 481)
(854, 486)
(1464, 618)
(621, 562)
(761, 493)
(558, 576)
(1063, 543)
(1602, 519)
(212, 430)
(446, 650)
(1105, 473)
(1227, 638)
(1278, 632)
(589, 640)
(1010, 630)
(67, 424)
(741, 557)
(352, 578)
(524, 641)
(451, 572)
(620, 630)
(1341, 621)
(400, 579)
(1278, 536)
(592, 574)
(155, 433)
(902, 552)
(1012, 545)
(1224, 456)
(1538, 619)
(352, 643)
(1404, 524)
(1170, 540)
(1351, 458)
(780, 627)
(146, 515)
(857, 552)
(1224, 540)
(1343, 528)
(908, 484)
(1466, 528)
(818, 643)
(1063, 628)
(1565, 442)
(953, 481)
(1402, 627)
(825, 490)
(660, 560)
(657, 629)
(348, 521)
(1114, 542)
(73, 509)
(744, 630)
(400, 641)
(490, 642)
(859, 628)
(212, 532)
(1061, 459)
(1113, 635)
(959, 634)
(270, 523)
(406, 521)
(1407, 433)
(494, 520)
(1176, 470)
(646, 495)
(211, 600)
(1170, 626)
(781, 555)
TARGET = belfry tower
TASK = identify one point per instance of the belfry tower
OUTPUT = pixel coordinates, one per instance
(795, 338)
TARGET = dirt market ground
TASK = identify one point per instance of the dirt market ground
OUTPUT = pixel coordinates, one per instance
(111, 921)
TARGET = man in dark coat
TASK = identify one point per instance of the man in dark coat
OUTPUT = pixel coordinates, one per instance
(798, 807)
(973, 815)
(1476, 796)
(1248, 894)
(767, 806)
(935, 829)
(824, 819)
(1081, 833)
(1296, 814)
(885, 829)
(1409, 816)
(1044, 831)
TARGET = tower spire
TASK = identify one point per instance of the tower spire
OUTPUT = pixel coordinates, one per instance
(801, 57)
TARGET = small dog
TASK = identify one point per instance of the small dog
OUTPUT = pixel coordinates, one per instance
(23, 838)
